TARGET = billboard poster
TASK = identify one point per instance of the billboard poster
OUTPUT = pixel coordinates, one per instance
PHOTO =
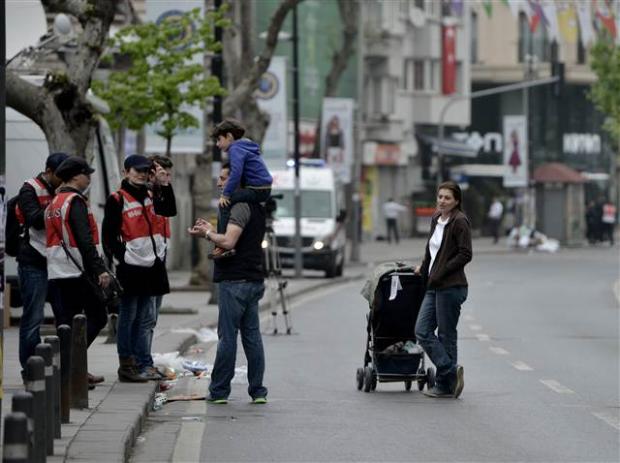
(337, 136)
(271, 98)
(515, 151)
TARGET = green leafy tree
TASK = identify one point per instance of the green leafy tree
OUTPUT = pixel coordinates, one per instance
(605, 92)
(165, 76)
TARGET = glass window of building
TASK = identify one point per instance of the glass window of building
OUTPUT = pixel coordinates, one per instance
(473, 52)
(419, 4)
(581, 50)
(533, 43)
(418, 75)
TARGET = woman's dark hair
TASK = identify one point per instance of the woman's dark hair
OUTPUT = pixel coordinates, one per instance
(163, 161)
(456, 192)
(231, 126)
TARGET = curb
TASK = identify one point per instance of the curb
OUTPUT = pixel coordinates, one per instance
(122, 413)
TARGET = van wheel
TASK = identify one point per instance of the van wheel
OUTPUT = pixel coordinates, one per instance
(332, 270)
(339, 268)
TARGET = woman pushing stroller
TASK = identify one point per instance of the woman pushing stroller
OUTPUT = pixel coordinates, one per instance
(448, 250)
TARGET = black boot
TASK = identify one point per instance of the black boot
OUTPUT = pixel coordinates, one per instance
(127, 371)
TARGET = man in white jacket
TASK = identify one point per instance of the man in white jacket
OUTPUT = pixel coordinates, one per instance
(391, 210)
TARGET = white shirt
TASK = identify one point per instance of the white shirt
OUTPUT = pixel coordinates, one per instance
(496, 210)
(435, 242)
(391, 209)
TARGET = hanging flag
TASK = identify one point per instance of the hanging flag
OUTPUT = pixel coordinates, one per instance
(536, 15)
(567, 22)
(606, 17)
(457, 7)
(551, 16)
(448, 58)
(488, 7)
(584, 15)
(515, 6)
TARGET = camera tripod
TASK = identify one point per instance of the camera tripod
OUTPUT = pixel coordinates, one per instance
(276, 285)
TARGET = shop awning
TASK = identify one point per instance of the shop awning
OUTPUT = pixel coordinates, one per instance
(449, 146)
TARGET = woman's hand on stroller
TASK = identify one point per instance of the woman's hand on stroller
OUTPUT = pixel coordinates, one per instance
(417, 269)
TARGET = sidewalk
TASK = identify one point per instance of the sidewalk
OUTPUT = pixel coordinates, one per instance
(106, 431)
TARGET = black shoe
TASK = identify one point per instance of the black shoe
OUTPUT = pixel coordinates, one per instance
(459, 382)
(212, 400)
(438, 392)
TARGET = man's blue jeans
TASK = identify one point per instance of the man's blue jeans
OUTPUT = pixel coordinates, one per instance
(33, 288)
(238, 311)
(136, 317)
(157, 301)
(440, 311)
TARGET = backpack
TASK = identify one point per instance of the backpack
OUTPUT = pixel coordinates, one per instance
(13, 229)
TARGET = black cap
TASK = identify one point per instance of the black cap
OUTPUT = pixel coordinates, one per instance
(54, 160)
(72, 166)
(137, 161)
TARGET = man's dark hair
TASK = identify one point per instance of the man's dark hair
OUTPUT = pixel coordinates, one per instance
(231, 126)
(226, 165)
(163, 161)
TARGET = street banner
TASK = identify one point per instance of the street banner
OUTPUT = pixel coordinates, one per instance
(567, 20)
(551, 15)
(271, 98)
(189, 140)
(584, 14)
(337, 136)
(448, 58)
(515, 151)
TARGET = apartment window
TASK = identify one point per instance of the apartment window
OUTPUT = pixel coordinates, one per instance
(473, 45)
(533, 43)
(418, 75)
(404, 8)
(419, 4)
(446, 8)
(581, 51)
(555, 52)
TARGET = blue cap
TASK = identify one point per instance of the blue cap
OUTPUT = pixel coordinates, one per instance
(54, 160)
(137, 161)
(72, 166)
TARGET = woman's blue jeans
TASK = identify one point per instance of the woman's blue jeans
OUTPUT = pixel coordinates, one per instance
(440, 311)
(238, 311)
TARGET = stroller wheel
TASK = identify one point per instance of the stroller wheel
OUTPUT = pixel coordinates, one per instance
(359, 376)
(408, 385)
(422, 381)
(430, 377)
(367, 379)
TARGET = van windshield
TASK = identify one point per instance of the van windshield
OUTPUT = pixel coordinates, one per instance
(315, 204)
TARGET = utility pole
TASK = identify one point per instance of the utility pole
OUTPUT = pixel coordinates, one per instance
(2, 176)
(297, 204)
(357, 157)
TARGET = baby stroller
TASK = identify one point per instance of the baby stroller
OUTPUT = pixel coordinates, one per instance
(394, 293)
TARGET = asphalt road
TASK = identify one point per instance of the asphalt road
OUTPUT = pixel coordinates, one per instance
(539, 342)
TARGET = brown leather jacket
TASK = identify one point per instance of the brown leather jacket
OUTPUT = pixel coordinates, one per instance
(454, 253)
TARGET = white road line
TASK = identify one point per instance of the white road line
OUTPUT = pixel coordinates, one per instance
(522, 366)
(498, 350)
(556, 387)
(483, 337)
(607, 417)
(475, 327)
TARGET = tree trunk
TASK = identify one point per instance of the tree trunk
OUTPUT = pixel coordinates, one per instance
(168, 145)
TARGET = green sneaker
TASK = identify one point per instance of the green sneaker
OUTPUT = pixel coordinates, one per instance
(211, 400)
(259, 400)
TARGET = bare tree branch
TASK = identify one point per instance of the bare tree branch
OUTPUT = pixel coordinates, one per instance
(349, 12)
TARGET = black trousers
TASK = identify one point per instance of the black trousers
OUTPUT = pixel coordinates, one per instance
(392, 228)
(78, 297)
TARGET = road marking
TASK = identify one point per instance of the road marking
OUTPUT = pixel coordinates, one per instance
(499, 350)
(556, 387)
(607, 417)
(522, 366)
(188, 444)
(475, 327)
(483, 337)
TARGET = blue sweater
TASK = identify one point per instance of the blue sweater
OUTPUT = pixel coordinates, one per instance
(246, 166)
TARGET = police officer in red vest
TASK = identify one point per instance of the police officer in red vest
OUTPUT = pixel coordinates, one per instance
(34, 196)
(73, 261)
(134, 235)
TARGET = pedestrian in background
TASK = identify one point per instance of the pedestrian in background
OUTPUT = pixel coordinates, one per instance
(608, 221)
(73, 262)
(241, 285)
(34, 196)
(391, 211)
(135, 238)
(591, 222)
(496, 211)
(448, 250)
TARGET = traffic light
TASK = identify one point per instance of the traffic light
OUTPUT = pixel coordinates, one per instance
(557, 70)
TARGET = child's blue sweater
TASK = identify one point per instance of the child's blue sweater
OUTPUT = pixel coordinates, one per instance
(246, 166)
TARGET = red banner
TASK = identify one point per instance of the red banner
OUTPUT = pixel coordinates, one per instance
(448, 59)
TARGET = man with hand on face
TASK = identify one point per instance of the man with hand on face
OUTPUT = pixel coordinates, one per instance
(134, 235)
(73, 262)
(241, 286)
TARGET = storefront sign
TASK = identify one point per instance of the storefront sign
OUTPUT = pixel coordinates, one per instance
(337, 136)
(384, 154)
(491, 142)
(515, 151)
(582, 143)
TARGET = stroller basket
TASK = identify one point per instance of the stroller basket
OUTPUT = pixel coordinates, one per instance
(396, 364)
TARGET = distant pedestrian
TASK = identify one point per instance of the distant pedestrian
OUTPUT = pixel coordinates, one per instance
(391, 211)
(608, 220)
(496, 211)
(134, 235)
(34, 196)
(447, 252)
(73, 261)
(241, 286)
(591, 222)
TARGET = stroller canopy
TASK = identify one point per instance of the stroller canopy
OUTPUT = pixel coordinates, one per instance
(370, 287)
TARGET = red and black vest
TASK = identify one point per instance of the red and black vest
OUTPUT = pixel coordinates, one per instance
(37, 238)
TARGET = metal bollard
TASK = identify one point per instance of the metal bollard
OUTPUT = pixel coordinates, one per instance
(15, 448)
(22, 401)
(79, 365)
(64, 334)
(45, 351)
(55, 343)
(35, 384)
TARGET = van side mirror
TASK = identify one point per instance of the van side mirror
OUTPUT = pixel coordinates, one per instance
(342, 216)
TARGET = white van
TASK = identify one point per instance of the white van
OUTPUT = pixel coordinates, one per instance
(322, 219)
